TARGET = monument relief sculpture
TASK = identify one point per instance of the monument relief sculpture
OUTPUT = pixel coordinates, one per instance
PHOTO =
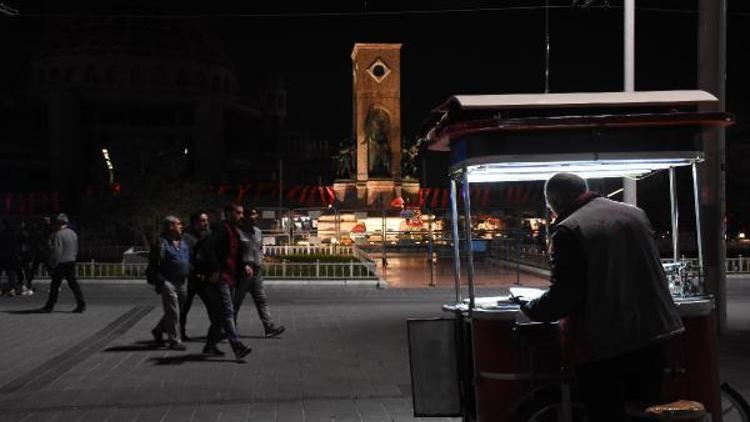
(377, 127)
(345, 160)
(409, 160)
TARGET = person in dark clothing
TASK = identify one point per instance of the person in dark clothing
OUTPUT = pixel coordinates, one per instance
(224, 267)
(196, 236)
(25, 259)
(63, 264)
(252, 240)
(169, 266)
(609, 291)
(41, 234)
(9, 259)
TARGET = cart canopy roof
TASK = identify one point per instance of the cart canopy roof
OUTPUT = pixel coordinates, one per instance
(477, 125)
(540, 167)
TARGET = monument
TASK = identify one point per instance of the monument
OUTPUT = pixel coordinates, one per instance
(375, 180)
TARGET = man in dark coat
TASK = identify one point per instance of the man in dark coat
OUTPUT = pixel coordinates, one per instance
(196, 237)
(611, 296)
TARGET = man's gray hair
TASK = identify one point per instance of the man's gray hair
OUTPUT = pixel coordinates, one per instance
(62, 219)
(167, 223)
(562, 189)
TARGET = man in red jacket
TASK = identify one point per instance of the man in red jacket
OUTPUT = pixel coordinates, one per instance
(225, 267)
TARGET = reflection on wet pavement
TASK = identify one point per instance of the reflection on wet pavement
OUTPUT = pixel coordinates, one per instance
(412, 270)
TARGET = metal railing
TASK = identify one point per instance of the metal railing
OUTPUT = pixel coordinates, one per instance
(282, 250)
(352, 270)
(272, 270)
(104, 270)
(364, 268)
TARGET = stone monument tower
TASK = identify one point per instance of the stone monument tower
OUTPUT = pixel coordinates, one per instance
(376, 96)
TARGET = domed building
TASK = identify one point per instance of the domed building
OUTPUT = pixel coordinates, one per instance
(130, 97)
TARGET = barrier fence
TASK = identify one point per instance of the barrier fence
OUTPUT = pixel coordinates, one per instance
(355, 269)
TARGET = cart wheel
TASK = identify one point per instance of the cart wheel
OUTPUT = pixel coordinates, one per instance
(734, 407)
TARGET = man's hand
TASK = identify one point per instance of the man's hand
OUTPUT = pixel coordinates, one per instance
(248, 271)
(213, 278)
(157, 288)
(518, 300)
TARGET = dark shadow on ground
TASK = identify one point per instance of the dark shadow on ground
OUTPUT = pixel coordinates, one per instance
(193, 357)
(138, 346)
(32, 311)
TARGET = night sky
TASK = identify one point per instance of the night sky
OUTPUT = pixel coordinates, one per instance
(449, 47)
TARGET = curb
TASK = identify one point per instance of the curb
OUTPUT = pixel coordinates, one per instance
(267, 282)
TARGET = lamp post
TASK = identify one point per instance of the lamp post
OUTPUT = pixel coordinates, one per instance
(384, 228)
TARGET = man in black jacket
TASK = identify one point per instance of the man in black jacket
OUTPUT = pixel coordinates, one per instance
(611, 296)
(196, 237)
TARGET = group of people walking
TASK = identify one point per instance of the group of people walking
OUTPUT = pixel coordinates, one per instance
(25, 248)
(219, 263)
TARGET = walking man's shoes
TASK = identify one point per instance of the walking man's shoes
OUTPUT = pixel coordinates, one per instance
(45, 310)
(274, 331)
(212, 351)
(176, 346)
(240, 351)
(156, 334)
(79, 309)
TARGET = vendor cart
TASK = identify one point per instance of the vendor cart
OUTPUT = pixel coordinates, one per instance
(484, 361)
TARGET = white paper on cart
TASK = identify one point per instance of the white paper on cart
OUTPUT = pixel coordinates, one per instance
(529, 293)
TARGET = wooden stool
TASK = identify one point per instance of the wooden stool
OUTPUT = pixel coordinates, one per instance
(680, 410)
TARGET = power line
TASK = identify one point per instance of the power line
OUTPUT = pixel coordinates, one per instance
(6, 10)
(295, 14)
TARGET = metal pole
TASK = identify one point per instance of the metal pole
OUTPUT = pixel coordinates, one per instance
(281, 181)
(467, 230)
(430, 260)
(629, 47)
(629, 186)
(675, 215)
(698, 228)
(385, 258)
(456, 240)
(712, 32)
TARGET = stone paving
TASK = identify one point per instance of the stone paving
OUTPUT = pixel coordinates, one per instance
(344, 357)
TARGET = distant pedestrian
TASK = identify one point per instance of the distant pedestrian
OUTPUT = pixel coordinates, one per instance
(196, 236)
(25, 257)
(41, 249)
(225, 268)
(168, 268)
(252, 239)
(63, 264)
(9, 259)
